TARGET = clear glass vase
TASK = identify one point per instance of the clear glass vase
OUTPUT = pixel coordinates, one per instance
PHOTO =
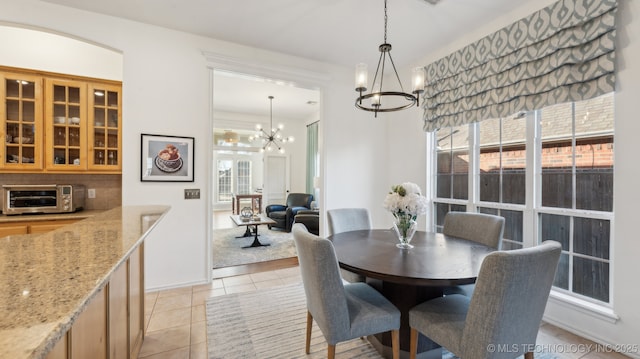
(405, 228)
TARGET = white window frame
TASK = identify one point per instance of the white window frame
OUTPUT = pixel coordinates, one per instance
(531, 209)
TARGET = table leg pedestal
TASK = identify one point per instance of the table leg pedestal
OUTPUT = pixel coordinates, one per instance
(246, 234)
(405, 297)
(256, 242)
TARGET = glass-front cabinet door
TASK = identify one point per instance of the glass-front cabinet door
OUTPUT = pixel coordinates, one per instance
(21, 121)
(66, 122)
(105, 127)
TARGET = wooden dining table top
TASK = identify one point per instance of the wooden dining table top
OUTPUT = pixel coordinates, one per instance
(435, 260)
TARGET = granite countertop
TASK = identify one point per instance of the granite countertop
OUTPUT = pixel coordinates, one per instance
(49, 216)
(47, 280)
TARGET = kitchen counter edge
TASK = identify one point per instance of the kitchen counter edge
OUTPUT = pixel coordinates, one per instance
(121, 218)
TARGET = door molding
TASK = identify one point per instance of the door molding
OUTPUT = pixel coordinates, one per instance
(296, 76)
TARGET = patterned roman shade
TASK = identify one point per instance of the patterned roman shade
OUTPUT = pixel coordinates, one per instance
(564, 52)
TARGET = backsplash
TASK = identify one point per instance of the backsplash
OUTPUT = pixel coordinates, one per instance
(108, 187)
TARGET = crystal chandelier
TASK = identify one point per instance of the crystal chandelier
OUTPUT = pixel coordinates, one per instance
(274, 138)
(379, 100)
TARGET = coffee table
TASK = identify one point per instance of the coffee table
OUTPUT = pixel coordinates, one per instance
(255, 222)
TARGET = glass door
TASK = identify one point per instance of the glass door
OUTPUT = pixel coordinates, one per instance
(22, 121)
(66, 121)
(105, 131)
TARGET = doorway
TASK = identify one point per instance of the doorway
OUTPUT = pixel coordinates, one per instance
(240, 104)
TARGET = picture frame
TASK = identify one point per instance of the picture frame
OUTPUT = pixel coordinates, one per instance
(166, 158)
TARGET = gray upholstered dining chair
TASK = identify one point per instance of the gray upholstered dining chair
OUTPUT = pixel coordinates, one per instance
(478, 227)
(348, 219)
(342, 311)
(505, 310)
(345, 220)
(483, 228)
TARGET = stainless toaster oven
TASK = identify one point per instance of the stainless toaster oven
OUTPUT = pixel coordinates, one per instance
(55, 198)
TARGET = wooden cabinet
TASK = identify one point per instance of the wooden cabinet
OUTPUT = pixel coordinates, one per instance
(32, 227)
(60, 350)
(62, 124)
(66, 122)
(118, 314)
(9, 229)
(136, 301)
(105, 127)
(89, 332)
(21, 118)
(112, 324)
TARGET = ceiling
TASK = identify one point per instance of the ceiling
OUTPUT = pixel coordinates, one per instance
(343, 32)
(231, 94)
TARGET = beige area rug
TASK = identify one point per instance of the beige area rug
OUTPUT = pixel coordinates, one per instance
(228, 251)
(270, 323)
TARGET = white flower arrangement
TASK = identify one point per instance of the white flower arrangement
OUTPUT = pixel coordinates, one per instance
(406, 200)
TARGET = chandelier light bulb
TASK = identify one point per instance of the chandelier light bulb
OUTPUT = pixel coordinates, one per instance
(418, 77)
(375, 100)
(258, 127)
(281, 150)
(361, 77)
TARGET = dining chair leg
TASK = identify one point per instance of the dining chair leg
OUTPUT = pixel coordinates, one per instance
(395, 343)
(331, 351)
(528, 355)
(307, 346)
(413, 344)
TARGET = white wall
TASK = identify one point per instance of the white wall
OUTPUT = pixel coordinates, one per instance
(57, 53)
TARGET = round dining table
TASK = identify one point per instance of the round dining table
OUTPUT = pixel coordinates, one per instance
(408, 277)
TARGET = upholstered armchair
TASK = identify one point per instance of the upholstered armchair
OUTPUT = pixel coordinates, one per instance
(284, 214)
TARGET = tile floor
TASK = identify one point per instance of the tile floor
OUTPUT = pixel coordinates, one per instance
(175, 318)
(176, 326)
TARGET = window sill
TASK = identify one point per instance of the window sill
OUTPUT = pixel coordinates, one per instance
(595, 310)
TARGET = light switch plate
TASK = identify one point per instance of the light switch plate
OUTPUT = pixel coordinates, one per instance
(192, 193)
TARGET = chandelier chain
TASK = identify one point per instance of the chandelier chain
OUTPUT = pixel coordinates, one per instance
(385, 21)
(271, 113)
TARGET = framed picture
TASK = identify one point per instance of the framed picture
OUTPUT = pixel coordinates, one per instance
(166, 158)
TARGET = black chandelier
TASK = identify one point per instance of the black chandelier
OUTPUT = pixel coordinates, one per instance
(272, 139)
(386, 101)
